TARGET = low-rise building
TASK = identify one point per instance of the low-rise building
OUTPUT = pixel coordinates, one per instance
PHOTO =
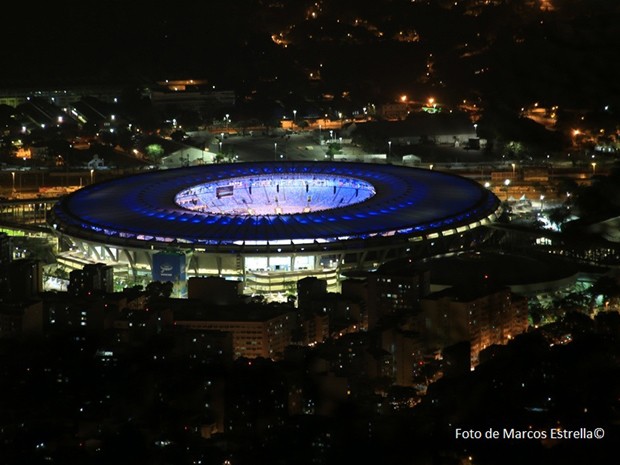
(258, 330)
(478, 315)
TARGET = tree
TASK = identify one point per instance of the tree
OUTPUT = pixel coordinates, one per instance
(108, 137)
(333, 149)
(567, 186)
(227, 154)
(156, 289)
(155, 152)
(513, 150)
(177, 135)
(166, 289)
(600, 199)
(605, 286)
(558, 215)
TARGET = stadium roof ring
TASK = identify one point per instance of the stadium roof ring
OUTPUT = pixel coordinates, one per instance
(261, 205)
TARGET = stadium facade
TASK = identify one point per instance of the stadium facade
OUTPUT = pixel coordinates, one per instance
(269, 224)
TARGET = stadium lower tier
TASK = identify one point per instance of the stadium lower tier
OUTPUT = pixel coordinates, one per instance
(269, 272)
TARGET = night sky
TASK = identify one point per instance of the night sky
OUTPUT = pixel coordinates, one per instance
(504, 51)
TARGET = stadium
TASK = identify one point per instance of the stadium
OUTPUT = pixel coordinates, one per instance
(269, 224)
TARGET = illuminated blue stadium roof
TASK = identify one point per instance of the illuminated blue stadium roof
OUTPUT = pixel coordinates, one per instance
(144, 208)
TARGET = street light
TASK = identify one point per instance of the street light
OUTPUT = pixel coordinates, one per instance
(389, 148)
(294, 117)
(593, 168)
(275, 151)
(13, 174)
(505, 188)
(513, 169)
(92, 172)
